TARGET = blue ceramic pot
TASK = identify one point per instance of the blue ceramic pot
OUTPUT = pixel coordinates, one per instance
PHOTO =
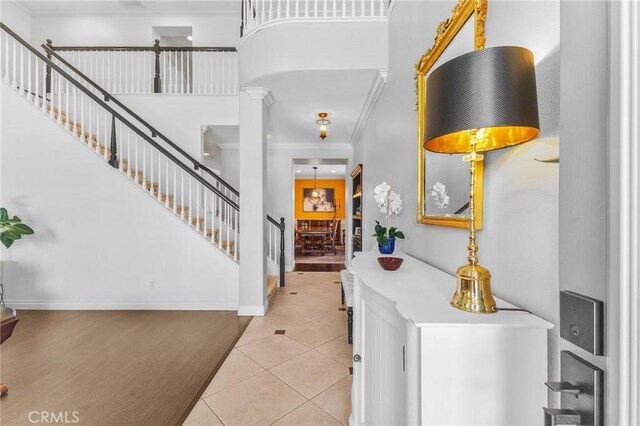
(389, 247)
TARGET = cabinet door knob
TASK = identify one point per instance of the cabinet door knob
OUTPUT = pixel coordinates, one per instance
(356, 358)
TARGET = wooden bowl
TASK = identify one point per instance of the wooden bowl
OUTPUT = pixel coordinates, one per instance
(390, 263)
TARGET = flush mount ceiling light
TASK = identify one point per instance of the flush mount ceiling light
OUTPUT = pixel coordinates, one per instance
(190, 37)
(323, 123)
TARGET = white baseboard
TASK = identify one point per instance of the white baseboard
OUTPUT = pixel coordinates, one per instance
(122, 306)
(253, 310)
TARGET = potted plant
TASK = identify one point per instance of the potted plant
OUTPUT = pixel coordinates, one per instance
(11, 229)
(390, 204)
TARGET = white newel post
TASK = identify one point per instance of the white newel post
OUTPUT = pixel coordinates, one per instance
(254, 102)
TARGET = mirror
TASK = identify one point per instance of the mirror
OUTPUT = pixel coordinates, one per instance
(443, 180)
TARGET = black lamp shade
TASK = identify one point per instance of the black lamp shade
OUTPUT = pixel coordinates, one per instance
(490, 91)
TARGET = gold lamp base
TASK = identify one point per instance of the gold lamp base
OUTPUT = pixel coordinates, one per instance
(473, 290)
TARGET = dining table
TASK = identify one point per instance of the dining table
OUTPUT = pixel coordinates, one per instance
(307, 234)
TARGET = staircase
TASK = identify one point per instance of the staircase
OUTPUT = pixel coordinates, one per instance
(139, 152)
(194, 194)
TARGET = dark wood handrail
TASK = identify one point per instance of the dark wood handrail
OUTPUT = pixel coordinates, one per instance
(142, 48)
(120, 117)
(280, 226)
(109, 97)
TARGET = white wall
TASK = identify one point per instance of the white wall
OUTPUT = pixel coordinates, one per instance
(230, 164)
(299, 46)
(180, 117)
(78, 259)
(134, 29)
(281, 183)
(15, 18)
(519, 242)
(584, 173)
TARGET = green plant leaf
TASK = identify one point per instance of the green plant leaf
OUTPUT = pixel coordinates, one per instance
(12, 234)
(400, 235)
(6, 241)
(382, 240)
(3, 214)
(24, 229)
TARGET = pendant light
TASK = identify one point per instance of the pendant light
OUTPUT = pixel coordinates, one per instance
(314, 194)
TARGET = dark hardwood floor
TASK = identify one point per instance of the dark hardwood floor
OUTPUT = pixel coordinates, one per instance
(318, 267)
(113, 367)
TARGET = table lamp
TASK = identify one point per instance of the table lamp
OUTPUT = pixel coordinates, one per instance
(480, 101)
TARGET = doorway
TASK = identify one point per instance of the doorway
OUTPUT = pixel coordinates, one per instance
(319, 199)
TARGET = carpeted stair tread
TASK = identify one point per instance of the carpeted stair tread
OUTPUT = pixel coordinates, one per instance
(272, 285)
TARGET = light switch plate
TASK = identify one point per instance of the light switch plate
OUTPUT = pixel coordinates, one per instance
(590, 379)
(582, 321)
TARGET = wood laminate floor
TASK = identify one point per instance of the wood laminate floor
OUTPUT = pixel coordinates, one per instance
(113, 367)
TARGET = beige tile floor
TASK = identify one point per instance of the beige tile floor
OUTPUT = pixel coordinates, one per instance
(299, 378)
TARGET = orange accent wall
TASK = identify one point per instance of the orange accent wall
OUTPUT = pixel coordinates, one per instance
(339, 187)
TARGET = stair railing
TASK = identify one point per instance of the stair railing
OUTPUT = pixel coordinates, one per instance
(121, 143)
(157, 69)
(275, 244)
(255, 13)
(219, 183)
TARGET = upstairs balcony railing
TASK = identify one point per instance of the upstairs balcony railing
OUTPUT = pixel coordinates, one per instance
(156, 69)
(256, 13)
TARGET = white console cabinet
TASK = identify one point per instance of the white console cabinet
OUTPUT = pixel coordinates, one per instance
(421, 361)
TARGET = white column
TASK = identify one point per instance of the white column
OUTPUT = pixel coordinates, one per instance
(623, 322)
(254, 102)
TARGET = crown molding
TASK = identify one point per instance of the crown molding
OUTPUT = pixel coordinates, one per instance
(260, 93)
(299, 145)
(372, 98)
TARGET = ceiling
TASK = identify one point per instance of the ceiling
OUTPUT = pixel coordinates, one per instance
(299, 96)
(325, 171)
(127, 6)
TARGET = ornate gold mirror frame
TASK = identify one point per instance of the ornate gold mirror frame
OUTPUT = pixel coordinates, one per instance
(447, 31)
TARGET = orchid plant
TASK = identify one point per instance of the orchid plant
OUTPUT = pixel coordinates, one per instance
(390, 203)
(439, 194)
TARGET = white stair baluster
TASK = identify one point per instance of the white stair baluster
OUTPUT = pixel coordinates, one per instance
(66, 106)
(90, 120)
(227, 220)
(235, 237)
(14, 83)
(134, 172)
(315, 8)
(159, 197)
(36, 81)
(144, 164)
(107, 127)
(182, 195)
(120, 142)
(287, 8)
(175, 189)
(269, 226)
(22, 72)
(29, 76)
(213, 217)
(150, 170)
(59, 99)
(190, 199)
(220, 230)
(324, 9)
(6, 58)
(166, 183)
(129, 162)
(44, 87)
(204, 213)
